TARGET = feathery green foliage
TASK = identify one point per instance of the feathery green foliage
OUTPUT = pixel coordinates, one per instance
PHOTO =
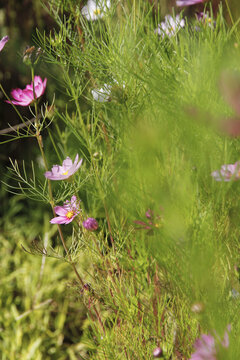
(151, 147)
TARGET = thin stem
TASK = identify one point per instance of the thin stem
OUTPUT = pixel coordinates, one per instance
(53, 143)
(76, 102)
(98, 248)
(17, 127)
(69, 256)
(229, 11)
(231, 18)
(40, 144)
(15, 108)
(99, 318)
(100, 187)
(134, 16)
(109, 225)
(52, 205)
(106, 139)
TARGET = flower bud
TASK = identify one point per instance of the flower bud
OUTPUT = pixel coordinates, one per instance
(157, 353)
(197, 307)
(149, 214)
(90, 224)
(27, 55)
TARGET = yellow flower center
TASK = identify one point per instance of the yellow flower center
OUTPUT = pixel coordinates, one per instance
(69, 214)
(97, 12)
(65, 173)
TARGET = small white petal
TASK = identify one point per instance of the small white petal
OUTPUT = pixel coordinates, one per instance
(95, 10)
(103, 94)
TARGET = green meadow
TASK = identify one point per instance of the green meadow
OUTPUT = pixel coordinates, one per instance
(154, 114)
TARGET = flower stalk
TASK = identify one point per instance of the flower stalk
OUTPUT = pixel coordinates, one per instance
(40, 144)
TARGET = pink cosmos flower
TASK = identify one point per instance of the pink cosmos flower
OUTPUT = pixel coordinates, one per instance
(188, 2)
(228, 172)
(63, 172)
(26, 96)
(3, 42)
(67, 212)
(90, 224)
(206, 346)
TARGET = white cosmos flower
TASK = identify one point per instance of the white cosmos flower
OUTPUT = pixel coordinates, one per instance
(170, 26)
(95, 9)
(103, 94)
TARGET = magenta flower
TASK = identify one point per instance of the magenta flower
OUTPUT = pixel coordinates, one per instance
(67, 212)
(26, 96)
(228, 172)
(3, 42)
(206, 348)
(63, 172)
(188, 2)
(90, 224)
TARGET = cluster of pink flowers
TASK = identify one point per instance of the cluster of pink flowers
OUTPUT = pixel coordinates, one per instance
(171, 25)
(227, 172)
(70, 209)
(207, 348)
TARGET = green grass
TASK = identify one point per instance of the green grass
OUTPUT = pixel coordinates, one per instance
(152, 146)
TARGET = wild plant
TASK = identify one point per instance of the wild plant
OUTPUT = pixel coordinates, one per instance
(138, 125)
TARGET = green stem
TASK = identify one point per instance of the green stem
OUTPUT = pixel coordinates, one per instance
(134, 16)
(229, 11)
(231, 18)
(74, 95)
(39, 139)
(100, 188)
(53, 143)
(40, 144)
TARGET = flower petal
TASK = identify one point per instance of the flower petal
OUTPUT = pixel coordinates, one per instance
(60, 210)
(3, 42)
(58, 220)
(26, 96)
